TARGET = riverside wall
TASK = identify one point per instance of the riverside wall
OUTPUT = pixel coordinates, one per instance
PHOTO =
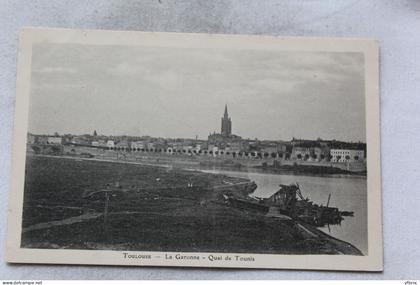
(162, 157)
(196, 159)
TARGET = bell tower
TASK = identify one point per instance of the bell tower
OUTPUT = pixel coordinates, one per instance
(226, 124)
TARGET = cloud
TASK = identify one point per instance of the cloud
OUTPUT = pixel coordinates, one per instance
(180, 93)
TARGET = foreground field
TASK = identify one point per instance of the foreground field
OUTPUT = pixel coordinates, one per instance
(150, 208)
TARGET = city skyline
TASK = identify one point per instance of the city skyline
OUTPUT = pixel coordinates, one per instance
(149, 91)
(222, 132)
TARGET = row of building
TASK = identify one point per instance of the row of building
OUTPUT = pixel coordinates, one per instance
(224, 144)
(292, 150)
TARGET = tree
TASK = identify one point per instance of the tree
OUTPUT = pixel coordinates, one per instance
(299, 156)
(347, 157)
(56, 150)
(95, 133)
(36, 149)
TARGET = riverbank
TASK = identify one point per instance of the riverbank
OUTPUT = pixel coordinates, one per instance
(299, 169)
(154, 209)
(240, 163)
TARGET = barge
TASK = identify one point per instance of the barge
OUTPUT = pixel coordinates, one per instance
(288, 201)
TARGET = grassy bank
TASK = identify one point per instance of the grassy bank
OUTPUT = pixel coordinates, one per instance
(152, 208)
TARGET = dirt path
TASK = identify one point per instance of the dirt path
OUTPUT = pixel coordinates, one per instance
(69, 221)
(103, 160)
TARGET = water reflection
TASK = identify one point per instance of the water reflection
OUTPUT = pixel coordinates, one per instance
(347, 194)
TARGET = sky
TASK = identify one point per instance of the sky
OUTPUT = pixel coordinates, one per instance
(175, 92)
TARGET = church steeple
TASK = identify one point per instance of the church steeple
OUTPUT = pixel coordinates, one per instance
(226, 124)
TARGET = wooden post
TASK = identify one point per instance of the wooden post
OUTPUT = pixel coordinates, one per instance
(106, 209)
(328, 202)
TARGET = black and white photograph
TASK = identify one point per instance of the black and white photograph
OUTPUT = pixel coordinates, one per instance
(196, 150)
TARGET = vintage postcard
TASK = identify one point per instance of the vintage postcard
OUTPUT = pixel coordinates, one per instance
(171, 149)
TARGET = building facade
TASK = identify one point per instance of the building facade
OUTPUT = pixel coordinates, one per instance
(110, 143)
(54, 140)
(301, 153)
(347, 155)
(137, 145)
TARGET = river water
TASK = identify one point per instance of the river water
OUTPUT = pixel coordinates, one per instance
(347, 193)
